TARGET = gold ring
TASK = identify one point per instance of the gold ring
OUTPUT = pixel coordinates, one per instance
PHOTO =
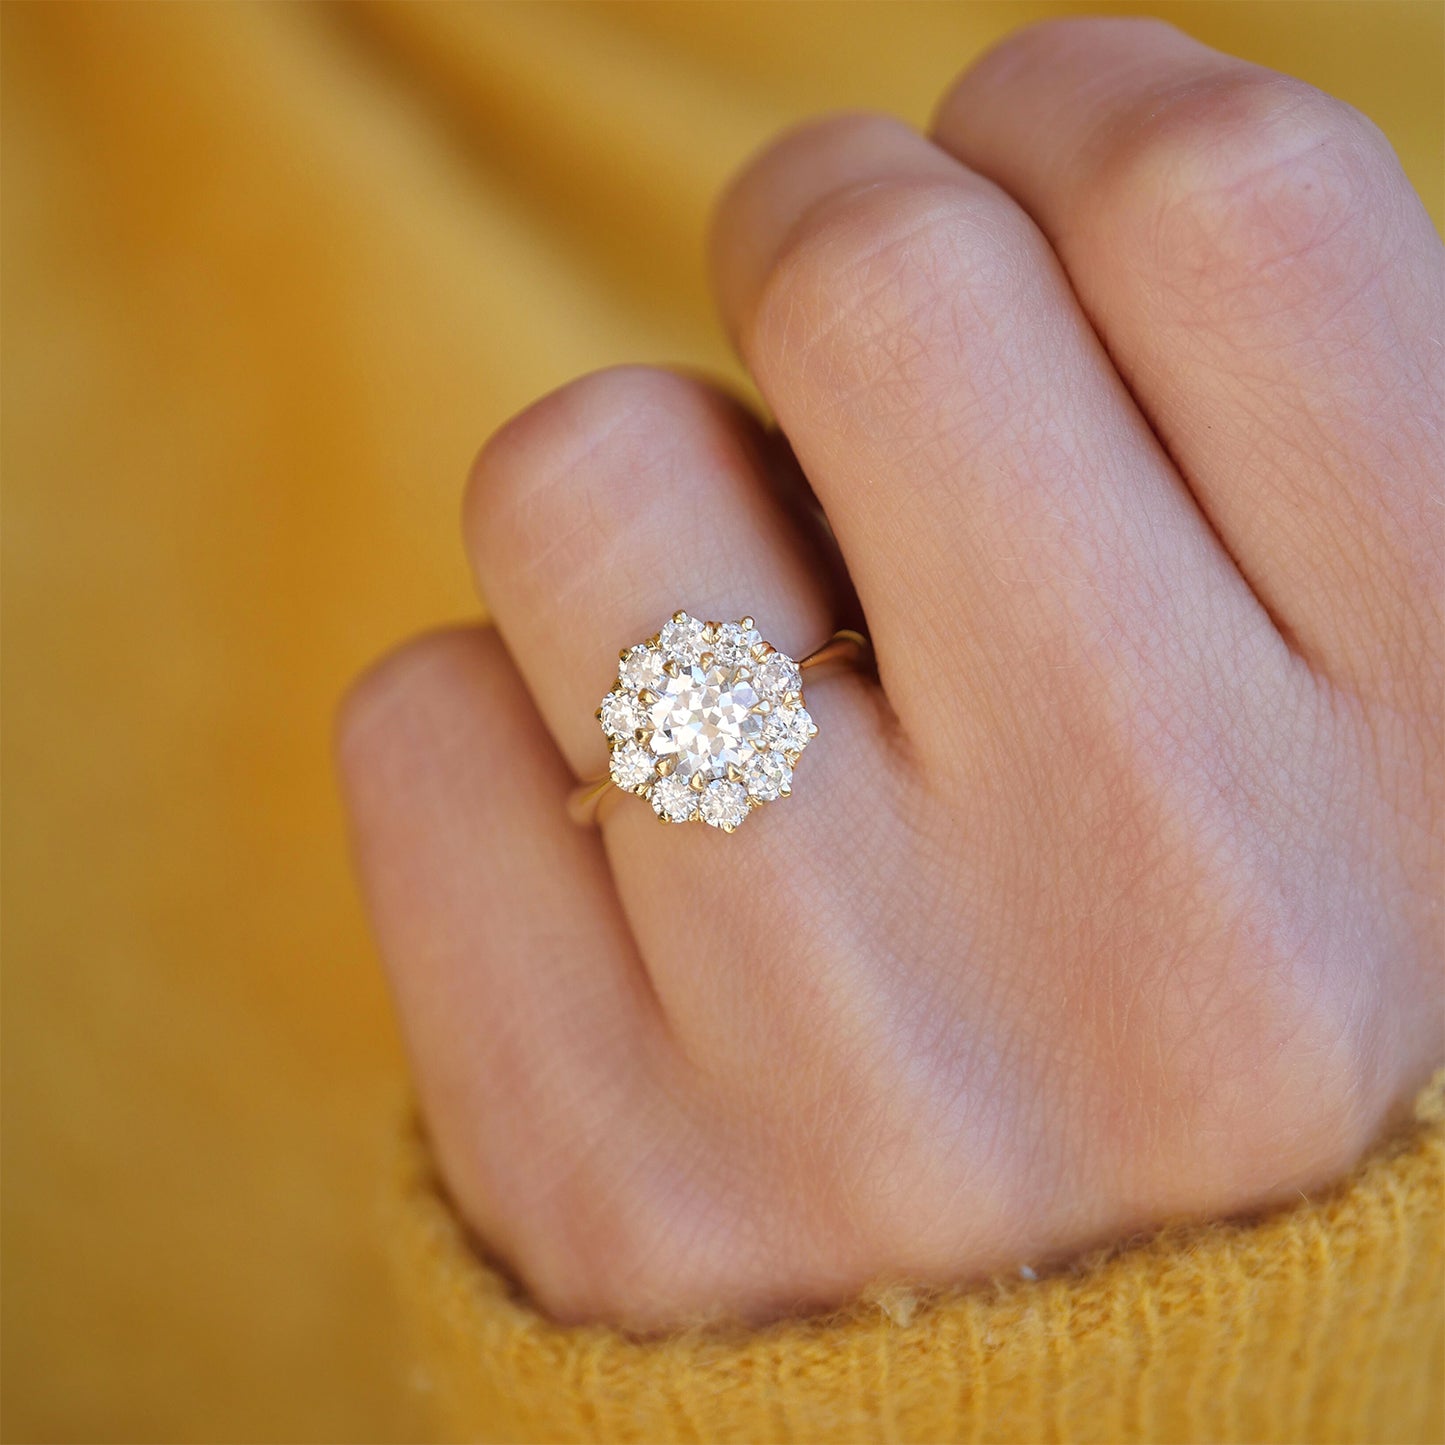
(707, 721)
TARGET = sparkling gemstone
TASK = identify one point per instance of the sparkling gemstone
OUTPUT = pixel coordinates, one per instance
(724, 804)
(642, 667)
(717, 738)
(682, 640)
(767, 776)
(778, 675)
(705, 718)
(674, 800)
(632, 766)
(734, 644)
(621, 714)
(788, 729)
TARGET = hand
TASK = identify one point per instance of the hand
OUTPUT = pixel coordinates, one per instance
(1115, 898)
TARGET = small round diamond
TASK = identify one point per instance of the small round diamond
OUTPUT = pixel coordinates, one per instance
(724, 804)
(788, 729)
(768, 776)
(621, 714)
(682, 640)
(777, 676)
(672, 799)
(734, 643)
(632, 766)
(642, 667)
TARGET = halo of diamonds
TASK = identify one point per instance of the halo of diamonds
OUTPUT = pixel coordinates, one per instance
(706, 721)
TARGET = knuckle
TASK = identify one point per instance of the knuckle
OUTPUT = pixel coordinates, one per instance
(529, 465)
(882, 287)
(375, 708)
(1045, 46)
(1247, 178)
(824, 142)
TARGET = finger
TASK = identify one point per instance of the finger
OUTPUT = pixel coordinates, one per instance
(591, 518)
(613, 502)
(529, 1021)
(993, 488)
(1269, 286)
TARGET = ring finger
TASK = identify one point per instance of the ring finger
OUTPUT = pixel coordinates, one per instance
(592, 517)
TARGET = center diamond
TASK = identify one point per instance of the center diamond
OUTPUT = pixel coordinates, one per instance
(705, 716)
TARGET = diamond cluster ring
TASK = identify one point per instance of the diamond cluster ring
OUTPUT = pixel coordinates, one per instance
(707, 721)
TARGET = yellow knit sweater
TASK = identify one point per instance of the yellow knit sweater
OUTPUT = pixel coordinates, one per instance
(1322, 1322)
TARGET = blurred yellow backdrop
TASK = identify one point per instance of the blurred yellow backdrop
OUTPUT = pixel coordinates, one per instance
(271, 273)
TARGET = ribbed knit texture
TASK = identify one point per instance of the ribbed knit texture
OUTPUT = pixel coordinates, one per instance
(1322, 1322)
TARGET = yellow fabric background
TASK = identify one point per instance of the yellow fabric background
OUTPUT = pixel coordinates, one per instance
(271, 272)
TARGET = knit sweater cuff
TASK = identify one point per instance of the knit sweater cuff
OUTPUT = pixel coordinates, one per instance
(1321, 1322)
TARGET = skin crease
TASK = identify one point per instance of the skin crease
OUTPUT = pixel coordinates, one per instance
(1114, 898)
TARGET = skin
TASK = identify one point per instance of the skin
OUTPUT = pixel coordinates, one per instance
(1114, 898)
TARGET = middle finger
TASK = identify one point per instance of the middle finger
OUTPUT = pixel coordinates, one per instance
(995, 491)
